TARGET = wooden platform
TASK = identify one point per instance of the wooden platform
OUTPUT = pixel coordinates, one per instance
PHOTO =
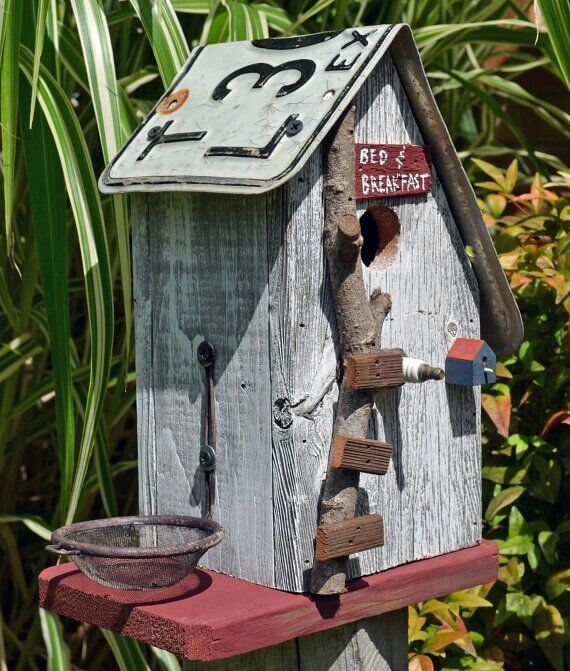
(212, 616)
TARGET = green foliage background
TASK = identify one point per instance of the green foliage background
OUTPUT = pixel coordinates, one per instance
(76, 77)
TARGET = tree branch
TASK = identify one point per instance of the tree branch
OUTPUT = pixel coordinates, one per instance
(359, 323)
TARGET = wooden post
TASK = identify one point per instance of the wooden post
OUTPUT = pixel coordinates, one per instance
(373, 644)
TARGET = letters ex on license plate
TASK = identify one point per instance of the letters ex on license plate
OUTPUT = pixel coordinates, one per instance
(384, 170)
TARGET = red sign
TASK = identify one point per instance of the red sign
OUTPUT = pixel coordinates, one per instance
(384, 170)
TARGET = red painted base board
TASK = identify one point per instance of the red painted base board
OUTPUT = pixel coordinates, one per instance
(211, 616)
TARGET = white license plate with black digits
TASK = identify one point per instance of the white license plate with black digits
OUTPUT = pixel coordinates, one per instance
(244, 116)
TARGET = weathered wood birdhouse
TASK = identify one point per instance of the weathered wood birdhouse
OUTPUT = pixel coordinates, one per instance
(230, 169)
(301, 217)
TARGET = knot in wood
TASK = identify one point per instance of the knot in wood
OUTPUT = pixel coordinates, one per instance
(283, 413)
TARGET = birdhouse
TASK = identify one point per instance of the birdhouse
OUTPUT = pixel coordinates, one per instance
(470, 361)
(300, 219)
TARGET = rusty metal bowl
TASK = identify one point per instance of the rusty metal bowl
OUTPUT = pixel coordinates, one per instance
(142, 552)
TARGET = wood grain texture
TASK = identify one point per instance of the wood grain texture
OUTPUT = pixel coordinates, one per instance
(342, 539)
(191, 283)
(431, 498)
(374, 371)
(357, 454)
(303, 374)
(211, 616)
(372, 644)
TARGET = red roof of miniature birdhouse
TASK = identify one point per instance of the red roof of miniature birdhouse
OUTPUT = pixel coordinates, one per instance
(466, 349)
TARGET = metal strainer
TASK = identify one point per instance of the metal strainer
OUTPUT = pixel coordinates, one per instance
(138, 553)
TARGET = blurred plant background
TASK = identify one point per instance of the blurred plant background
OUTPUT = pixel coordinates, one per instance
(76, 78)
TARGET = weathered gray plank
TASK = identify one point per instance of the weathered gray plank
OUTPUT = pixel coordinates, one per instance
(303, 387)
(201, 272)
(374, 644)
(430, 498)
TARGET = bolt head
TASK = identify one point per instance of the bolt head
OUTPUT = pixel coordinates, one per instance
(206, 353)
(153, 132)
(293, 127)
(207, 458)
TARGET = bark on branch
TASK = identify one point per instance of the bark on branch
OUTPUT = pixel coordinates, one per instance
(359, 323)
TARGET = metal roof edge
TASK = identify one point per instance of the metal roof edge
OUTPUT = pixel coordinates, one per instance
(501, 322)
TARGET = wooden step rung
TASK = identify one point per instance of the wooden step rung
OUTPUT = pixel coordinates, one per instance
(360, 454)
(350, 536)
(372, 371)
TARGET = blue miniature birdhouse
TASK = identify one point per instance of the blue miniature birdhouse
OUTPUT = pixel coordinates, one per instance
(470, 362)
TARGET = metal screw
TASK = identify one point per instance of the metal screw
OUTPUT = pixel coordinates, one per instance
(293, 127)
(452, 329)
(207, 458)
(206, 353)
(154, 132)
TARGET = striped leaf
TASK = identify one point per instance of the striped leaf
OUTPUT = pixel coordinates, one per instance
(58, 656)
(9, 79)
(245, 22)
(192, 6)
(127, 653)
(165, 35)
(82, 192)
(98, 57)
(166, 660)
(41, 25)
(15, 354)
(556, 15)
(33, 522)
(49, 223)
(277, 17)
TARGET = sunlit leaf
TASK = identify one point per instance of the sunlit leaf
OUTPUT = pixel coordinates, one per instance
(502, 500)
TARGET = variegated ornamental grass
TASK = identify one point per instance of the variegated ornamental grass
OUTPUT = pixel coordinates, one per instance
(76, 77)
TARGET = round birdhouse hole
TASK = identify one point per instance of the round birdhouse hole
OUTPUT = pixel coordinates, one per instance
(380, 229)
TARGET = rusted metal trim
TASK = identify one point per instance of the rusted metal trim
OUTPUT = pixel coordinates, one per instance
(501, 322)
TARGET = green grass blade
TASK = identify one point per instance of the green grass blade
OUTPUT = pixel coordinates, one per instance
(166, 660)
(277, 17)
(33, 522)
(14, 354)
(70, 56)
(104, 476)
(41, 21)
(127, 653)
(498, 112)
(49, 223)
(7, 304)
(165, 36)
(513, 91)
(556, 15)
(83, 195)
(9, 81)
(192, 6)
(57, 650)
(244, 22)
(98, 57)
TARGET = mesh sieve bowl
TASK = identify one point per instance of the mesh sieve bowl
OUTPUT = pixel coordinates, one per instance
(137, 553)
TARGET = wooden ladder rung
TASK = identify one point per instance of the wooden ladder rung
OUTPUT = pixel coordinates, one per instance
(345, 538)
(372, 371)
(360, 454)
